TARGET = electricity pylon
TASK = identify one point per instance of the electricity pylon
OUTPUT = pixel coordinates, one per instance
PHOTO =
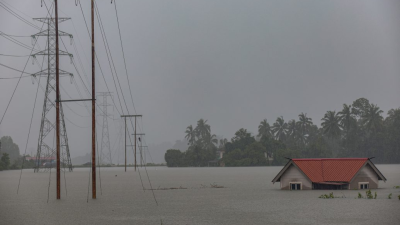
(105, 150)
(44, 151)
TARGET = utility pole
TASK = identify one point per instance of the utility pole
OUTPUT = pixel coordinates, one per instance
(93, 111)
(125, 143)
(53, 73)
(57, 102)
(105, 150)
(134, 134)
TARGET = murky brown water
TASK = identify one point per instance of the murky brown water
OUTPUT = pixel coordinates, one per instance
(249, 198)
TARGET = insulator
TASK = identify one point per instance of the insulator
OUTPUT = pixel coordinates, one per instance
(33, 60)
(33, 40)
(70, 57)
(70, 39)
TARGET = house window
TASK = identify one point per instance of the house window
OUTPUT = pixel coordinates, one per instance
(363, 185)
(295, 186)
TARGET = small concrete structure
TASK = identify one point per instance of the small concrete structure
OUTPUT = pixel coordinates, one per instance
(329, 173)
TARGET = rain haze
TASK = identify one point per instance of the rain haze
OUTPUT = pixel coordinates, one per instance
(232, 63)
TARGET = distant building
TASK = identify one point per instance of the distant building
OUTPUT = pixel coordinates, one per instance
(326, 173)
(269, 156)
(44, 162)
(220, 154)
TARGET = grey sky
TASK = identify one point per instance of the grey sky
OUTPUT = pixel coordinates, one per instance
(231, 62)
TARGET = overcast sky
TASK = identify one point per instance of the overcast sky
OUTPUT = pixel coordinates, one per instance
(230, 62)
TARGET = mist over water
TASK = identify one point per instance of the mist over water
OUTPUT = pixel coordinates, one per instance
(249, 197)
(241, 84)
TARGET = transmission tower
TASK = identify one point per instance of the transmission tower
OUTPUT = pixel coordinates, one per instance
(105, 150)
(44, 151)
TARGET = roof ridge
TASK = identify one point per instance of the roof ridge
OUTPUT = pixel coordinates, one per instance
(327, 159)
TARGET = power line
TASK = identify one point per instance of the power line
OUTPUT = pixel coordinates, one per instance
(73, 62)
(108, 53)
(30, 125)
(18, 16)
(19, 10)
(105, 41)
(106, 44)
(101, 70)
(14, 55)
(105, 37)
(11, 68)
(74, 123)
(17, 42)
(16, 86)
(126, 70)
(29, 131)
(123, 54)
(11, 35)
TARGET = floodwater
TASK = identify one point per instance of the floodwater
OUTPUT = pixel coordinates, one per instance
(249, 197)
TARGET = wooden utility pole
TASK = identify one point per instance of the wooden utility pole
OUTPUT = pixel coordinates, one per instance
(135, 145)
(134, 134)
(57, 102)
(125, 143)
(93, 112)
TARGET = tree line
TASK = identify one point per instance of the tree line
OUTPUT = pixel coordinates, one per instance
(357, 130)
(10, 157)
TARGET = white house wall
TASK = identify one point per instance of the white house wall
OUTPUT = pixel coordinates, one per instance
(366, 174)
(293, 174)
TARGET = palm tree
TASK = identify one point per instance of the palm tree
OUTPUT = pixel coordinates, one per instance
(190, 135)
(210, 140)
(347, 119)
(280, 129)
(304, 125)
(304, 121)
(372, 118)
(202, 129)
(331, 124)
(264, 130)
(292, 129)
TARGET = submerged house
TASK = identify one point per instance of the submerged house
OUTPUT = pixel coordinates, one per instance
(329, 173)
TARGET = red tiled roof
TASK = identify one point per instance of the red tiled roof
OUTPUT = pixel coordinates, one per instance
(330, 169)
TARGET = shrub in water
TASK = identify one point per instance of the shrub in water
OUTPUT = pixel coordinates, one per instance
(327, 196)
(369, 194)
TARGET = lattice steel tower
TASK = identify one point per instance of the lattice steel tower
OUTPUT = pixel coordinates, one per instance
(44, 151)
(105, 150)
